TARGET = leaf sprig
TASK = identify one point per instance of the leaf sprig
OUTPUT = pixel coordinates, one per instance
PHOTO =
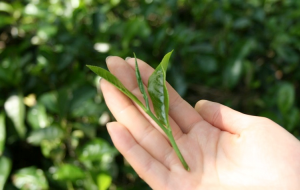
(158, 93)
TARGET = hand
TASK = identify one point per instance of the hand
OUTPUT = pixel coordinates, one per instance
(224, 149)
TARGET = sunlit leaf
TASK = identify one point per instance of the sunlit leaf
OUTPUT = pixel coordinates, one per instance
(69, 172)
(30, 178)
(15, 110)
(113, 80)
(2, 133)
(158, 91)
(50, 133)
(6, 7)
(95, 149)
(103, 181)
(5, 167)
(37, 117)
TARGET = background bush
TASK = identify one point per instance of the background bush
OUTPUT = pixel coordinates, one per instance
(244, 54)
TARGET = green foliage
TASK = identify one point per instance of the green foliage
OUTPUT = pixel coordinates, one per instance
(30, 178)
(244, 54)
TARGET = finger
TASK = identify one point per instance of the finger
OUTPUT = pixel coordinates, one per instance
(141, 129)
(122, 70)
(180, 111)
(222, 116)
(147, 167)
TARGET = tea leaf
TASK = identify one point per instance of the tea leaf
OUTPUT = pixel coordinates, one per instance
(113, 80)
(5, 167)
(15, 110)
(30, 178)
(141, 84)
(2, 133)
(158, 91)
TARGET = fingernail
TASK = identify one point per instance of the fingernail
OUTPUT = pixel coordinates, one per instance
(107, 57)
(127, 58)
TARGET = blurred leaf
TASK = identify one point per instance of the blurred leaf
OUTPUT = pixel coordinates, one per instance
(53, 149)
(285, 97)
(293, 119)
(103, 181)
(49, 100)
(50, 133)
(37, 117)
(2, 133)
(15, 110)
(95, 149)
(88, 129)
(5, 20)
(207, 64)
(6, 7)
(5, 167)
(233, 70)
(63, 100)
(30, 178)
(69, 172)
(80, 96)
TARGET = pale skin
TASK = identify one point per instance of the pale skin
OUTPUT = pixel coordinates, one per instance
(225, 149)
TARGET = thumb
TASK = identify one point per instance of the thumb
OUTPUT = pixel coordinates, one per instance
(222, 117)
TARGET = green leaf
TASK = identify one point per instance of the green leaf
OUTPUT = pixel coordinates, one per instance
(49, 100)
(2, 133)
(6, 7)
(141, 84)
(285, 97)
(103, 181)
(95, 149)
(5, 167)
(69, 172)
(15, 110)
(113, 80)
(37, 117)
(158, 91)
(30, 178)
(50, 133)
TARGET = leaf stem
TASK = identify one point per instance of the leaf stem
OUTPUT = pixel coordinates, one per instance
(169, 133)
(173, 143)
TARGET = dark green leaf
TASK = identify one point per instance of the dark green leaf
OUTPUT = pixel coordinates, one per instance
(113, 80)
(30, 178)
(285, 97)
(5, 167)
(158, 91)
(49, 100)
(141, 84)
(15, 110)
(2, 133)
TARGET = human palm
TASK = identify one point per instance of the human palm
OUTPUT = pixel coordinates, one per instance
(224, 149)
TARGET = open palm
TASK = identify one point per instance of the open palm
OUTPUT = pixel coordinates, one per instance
(224, 149)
